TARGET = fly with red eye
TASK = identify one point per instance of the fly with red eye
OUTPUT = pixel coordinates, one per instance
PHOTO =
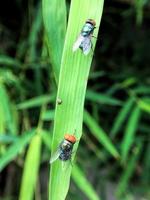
(64, 151)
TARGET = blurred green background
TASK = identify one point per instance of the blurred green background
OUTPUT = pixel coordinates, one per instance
(118, 100)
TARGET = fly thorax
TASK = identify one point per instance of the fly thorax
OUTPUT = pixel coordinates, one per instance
(66, 145)
(87, 29)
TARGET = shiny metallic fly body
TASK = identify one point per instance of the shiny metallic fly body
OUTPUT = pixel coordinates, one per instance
(87, 29)
(84, 40)
(64, 151)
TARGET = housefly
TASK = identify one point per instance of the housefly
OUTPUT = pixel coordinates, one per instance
(64, 150)
(84, 40)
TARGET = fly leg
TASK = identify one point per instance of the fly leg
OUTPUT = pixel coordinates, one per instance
(92, 48)
(94, 37)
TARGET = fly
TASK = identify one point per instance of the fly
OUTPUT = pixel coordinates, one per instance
(84, 40)
(64, 150)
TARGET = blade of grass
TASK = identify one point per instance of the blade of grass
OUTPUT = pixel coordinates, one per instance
(130, 132)
(46, 138)
(128, 82)
(7, 76)
(31, 167)
(77, 175)
(101, 155)
(143, 89)
(48, 115)
(144, 104)
(9, 61)
(102, 98)
(35, 102)
(121, 117)
(30, 174)
(84, 185)
(100, 134)
(15, 148)
(96, 74)
(139, 7)
(54, 18)
(7, 120)
(125, 177)
(33, 54)
(71, 90)
(2, 115)
(6, 139)
(33, 37)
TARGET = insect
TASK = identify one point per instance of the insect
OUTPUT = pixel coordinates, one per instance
(64, 150)
(84, 40)
(59, 101)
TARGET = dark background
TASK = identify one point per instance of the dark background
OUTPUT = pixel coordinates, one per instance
(120, 67)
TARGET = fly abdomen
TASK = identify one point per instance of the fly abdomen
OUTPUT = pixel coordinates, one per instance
(65, 156)
(64, 150)
(84, 40)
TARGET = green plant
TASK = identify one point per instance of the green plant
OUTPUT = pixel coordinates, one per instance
(71, 89)
(36, 62)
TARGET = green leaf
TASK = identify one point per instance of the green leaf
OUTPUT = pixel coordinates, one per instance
(139, 6)
(35, 102)
(142, 90)
(55, 29)
(144, 105)
(34, 32)
(31, 167)
(98, 132)
(77, 175)
(96, 74)
(74, 72)
(7, 112)
(7, 77)
(33, 50)
(84, 185)
(15, 148)
(102, 98)
(9, 61)
(130, 131)
(128, 82)
(46, 138)
(121, 117)
(7, 138)
(48, 115)
(128, 172)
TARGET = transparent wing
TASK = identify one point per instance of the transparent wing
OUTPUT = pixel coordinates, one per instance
(78, 42)
(86, 45)
(55, 156)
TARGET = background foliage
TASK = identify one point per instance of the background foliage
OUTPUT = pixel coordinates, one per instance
(117, 106)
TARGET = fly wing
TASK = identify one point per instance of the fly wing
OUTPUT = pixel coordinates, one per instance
(55, 156)
(78, 42)
(86, 45)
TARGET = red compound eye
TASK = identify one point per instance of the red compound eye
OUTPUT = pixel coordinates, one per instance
(70, 138)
